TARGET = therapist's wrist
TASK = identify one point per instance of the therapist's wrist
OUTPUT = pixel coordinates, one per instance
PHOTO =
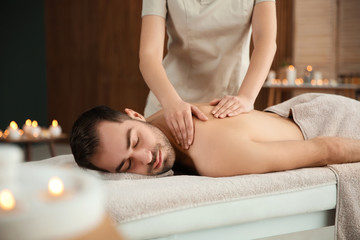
(246, 99)
(171, 102)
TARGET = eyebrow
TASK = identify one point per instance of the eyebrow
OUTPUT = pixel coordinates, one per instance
(128, 134)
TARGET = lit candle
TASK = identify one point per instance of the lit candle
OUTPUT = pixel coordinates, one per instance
(21, 132)
(35, 129)
(7, 200)
(291, 74)
(317, 75)
(6, 133)
(333, 82)
(318, 78)
(27, 127)
(10, 158)
(55, 129)
(308, 74)
(13, 131)
(1, 134)
(299, 81)
(271, 76)
(55, 187)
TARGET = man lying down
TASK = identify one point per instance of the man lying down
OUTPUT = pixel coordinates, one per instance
(306, 131)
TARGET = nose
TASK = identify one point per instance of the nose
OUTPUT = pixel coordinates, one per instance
(142, 156)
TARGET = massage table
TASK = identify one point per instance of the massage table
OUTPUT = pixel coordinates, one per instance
(296, 204)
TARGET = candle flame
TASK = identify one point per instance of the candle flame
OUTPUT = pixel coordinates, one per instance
(55, 123)
(14, 125)
(55, 186)
(7, 200)
(34, 123)
(28, 122)
(309, 68)
(313, 82)
(21, 132)
(6, 133)
(1, 134)
(291, 68)
(299, 81)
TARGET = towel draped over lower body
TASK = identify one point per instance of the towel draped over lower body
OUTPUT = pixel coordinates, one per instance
(322, 115)
(331, 115)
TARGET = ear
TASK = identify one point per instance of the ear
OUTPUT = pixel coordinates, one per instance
(134, 115)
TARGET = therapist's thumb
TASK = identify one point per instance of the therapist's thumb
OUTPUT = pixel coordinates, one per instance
(198, 113)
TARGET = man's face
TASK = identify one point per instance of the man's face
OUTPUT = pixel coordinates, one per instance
(134, 147)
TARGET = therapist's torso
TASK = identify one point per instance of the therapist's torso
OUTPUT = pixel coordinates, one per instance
(208, 46)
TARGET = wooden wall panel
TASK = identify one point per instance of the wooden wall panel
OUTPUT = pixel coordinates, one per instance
(315, 34)
(349, 37)
(284, 39)
(92, 56)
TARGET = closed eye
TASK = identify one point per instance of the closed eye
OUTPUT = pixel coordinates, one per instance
(137, 142)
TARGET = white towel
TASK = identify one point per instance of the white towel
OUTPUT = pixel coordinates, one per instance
(348, 203)
(68, 161)
(332, 115)
(130, 199)
(322, 115)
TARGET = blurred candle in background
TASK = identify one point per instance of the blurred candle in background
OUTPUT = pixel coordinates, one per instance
(318, 78)
(317, 75)
(13, 131)
(27, 127)
(271, 76)
(308, 74)
(55, 129)
(291, 75)
(35, 131)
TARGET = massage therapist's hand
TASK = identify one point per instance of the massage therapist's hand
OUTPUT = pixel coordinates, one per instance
(230, 106)
(178, 116)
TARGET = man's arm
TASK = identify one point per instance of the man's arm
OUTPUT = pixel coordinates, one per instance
(262, 157)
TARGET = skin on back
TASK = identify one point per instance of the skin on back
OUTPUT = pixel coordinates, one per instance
(238, 145)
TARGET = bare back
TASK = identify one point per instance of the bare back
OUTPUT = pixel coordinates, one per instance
(223, 141)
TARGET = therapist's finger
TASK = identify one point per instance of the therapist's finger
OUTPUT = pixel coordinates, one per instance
(215, 102)
(233, 110)
(198, 113)
(182, 132)
(172, 126)
(218, 106)
(222, 112)
(189, 125)
(221, 107)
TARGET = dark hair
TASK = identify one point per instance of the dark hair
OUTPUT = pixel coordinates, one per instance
(84, 139)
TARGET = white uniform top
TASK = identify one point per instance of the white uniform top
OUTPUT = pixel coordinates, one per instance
(208, 46)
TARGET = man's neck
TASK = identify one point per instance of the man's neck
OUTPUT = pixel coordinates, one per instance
(183, 163)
